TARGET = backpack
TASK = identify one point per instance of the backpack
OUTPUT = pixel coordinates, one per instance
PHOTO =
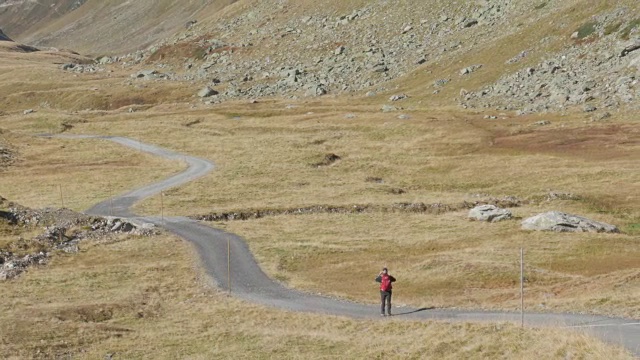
(385, 283)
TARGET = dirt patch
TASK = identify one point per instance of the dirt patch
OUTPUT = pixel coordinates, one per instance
(86, 313)
(190, 49)
(594, 143)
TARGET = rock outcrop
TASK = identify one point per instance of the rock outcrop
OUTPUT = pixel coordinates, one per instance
(562, 222)
(490, 213)
(63, 230)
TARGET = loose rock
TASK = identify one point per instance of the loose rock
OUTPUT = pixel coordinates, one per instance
(562, 222)
(489, 213)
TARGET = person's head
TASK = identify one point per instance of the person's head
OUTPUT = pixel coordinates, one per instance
(384, 270)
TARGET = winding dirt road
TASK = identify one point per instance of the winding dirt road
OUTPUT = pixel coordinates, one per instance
(249, 282)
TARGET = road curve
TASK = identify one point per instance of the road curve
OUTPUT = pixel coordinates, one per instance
(249, 282)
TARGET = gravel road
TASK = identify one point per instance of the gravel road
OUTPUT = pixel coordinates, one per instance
(249, 282)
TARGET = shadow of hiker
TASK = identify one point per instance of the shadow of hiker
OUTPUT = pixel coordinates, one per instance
(415, 311)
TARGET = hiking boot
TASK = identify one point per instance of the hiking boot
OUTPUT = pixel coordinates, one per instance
(382, 314)
(389, 314)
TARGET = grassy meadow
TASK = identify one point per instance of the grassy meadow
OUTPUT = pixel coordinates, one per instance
(144, 297)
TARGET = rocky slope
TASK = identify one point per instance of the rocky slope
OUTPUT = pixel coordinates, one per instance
(62, 231)
(494, 55)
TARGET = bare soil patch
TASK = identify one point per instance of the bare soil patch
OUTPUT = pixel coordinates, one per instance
(594, 143)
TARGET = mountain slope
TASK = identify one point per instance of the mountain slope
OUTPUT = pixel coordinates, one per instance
(99, 26)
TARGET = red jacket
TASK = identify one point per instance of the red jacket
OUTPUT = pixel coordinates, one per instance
(382, 277)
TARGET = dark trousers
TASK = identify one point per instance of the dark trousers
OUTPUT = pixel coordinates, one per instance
(385, 297)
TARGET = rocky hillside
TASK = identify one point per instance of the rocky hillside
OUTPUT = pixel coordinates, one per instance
(99, 26)
(19, 17)
(494, 55)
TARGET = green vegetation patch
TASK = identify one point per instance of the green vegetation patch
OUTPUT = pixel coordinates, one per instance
(626, 32)
(612, 28)
(541, 6)
(587, 29)
(633, 229)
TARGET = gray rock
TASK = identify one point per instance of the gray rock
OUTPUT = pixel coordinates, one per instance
(632, 46)
(441, 82)
(146, 74)
(398, 97)
(207, 92)
(380, 68)
(589, 108)
(316, 90)
(28, 111)
(469, 23)
(490, 213)
(388, 108)
(104, 60)
(470, 69)
(562, 222)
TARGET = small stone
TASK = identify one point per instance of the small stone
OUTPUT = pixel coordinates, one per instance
(388, 108)
(541, 123)
(398, 97)
(207, 92)
(471, 22)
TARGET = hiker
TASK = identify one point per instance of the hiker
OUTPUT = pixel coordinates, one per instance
(385, 280)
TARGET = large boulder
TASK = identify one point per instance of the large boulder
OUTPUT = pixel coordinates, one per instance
(490, 213)
(562, 222)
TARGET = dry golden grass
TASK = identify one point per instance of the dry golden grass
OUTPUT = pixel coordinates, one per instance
(265, 153)
(78, 173)
(141, 298)
(448, 261)
(151, 304)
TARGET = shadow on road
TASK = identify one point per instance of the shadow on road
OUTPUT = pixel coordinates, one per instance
(415, 311)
